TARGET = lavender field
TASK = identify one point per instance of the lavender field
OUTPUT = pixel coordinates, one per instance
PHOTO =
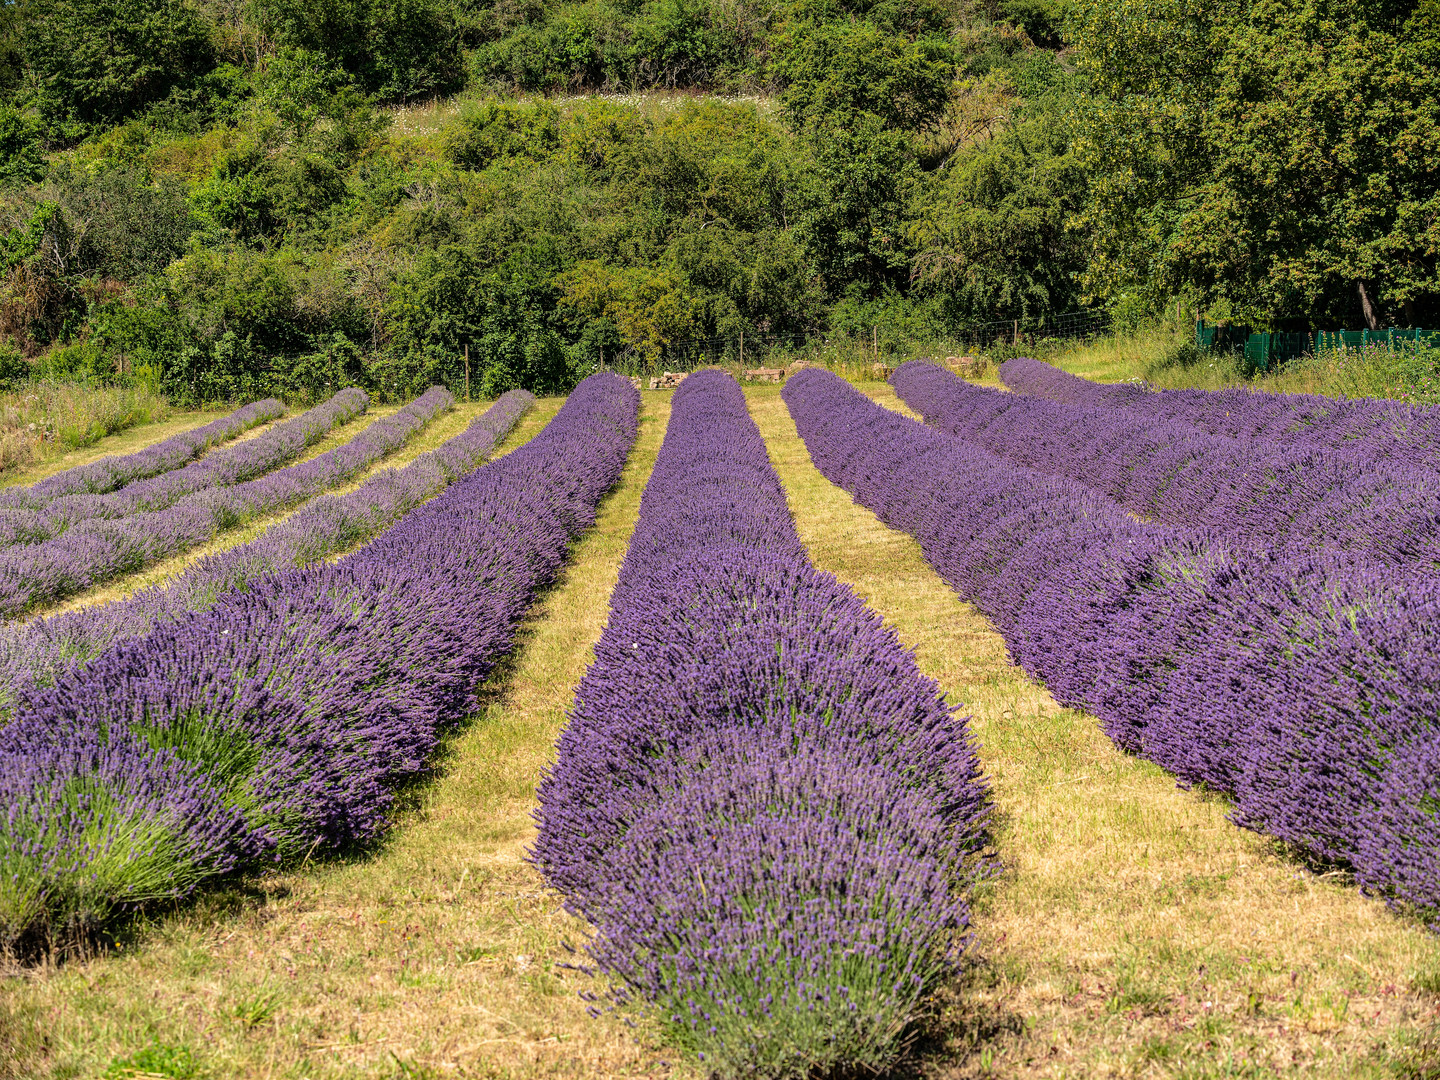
(918, 730)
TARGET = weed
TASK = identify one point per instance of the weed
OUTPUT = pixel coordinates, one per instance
(157, 1060)
(254, 1009)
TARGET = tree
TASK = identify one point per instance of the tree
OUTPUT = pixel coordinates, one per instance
(21, 158)
(90, 62)
(397, 49)
(858, 93)
(838, 73)
(1277, 158)
(991, 229)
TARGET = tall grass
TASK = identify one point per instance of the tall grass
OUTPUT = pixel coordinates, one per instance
(1169, 360)
(48, 418)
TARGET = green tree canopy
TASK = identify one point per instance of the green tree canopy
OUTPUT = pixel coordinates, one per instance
(1278, 159)
(89, 62)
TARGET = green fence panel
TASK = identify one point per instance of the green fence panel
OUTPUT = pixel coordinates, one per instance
(1265, 349)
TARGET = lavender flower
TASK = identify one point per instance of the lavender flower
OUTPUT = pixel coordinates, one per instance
(1306, 686)
(1387, 430)
(36, 653)
(110, 473)
(761, 804)
(95, 551)
(34, 523)
(1307, 497)
(280, 720)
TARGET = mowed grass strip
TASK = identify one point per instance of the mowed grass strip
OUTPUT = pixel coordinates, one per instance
(438, 955)
(1134, 931)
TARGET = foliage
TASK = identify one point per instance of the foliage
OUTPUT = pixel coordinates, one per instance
(21, 158)
(1273, 157)
(992, 234)
(499, 131)
(93, 62)
(259, 217)
(398, 49)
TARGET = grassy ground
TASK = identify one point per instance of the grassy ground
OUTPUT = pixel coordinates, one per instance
(45, 420)
(1134, 933)
(1121, 358)
(1160, 358)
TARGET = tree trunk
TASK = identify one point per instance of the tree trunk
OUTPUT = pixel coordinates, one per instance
(1372, 317)
(1408, 306)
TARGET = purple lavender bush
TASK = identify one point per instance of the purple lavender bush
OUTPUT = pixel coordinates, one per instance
(1305, 498)
(110, 473)
(34, 654)
(95, 822)
(1387, 430)
(767, 812)
(95, 551)
(1304, 686)
(229, 465)
(281, 720)
(1039, 379)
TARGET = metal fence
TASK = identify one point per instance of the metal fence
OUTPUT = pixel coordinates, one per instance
(1266, 349)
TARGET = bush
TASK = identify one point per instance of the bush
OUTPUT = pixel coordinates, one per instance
(498, 131)
(131, 226)
(14, 368)
(21, 159)
(335, 363)
(396, 49)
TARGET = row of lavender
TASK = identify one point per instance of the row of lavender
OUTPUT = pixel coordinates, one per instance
(280, 720)
(230, 465)
(1384, 430)
(97, 550)
(1307, 688)
(1333, 498)
(760, 803)
(36, 653)
(109, 473)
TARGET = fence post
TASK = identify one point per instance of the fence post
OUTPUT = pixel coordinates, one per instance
(1016, 340)
(467, 373)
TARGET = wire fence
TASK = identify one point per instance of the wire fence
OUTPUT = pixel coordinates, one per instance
(751, 350)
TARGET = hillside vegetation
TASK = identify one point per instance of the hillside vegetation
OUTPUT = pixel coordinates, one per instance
(229, 199)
